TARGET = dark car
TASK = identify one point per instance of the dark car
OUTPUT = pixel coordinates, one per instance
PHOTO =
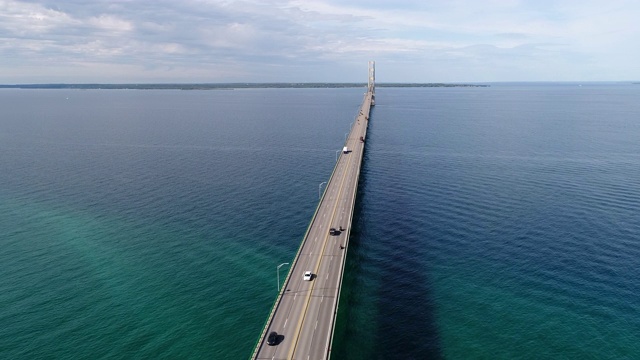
(273, 338)
(333, 231)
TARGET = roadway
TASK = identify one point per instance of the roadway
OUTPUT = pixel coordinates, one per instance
(305, 311)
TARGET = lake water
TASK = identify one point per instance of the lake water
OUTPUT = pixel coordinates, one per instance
(497, 223)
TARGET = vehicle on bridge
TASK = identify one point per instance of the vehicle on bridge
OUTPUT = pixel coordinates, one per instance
(345, 150)
(272, 339)
(307, 276)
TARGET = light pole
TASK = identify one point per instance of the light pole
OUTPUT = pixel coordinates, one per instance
(345, 135)
(337, 151)
(319, 187)
(278, 272)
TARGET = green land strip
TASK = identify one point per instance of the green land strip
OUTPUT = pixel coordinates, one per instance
(226, 86)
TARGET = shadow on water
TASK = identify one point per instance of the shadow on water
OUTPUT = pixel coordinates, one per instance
(407, 323)
(387, 308)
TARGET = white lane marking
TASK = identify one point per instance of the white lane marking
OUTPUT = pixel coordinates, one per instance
(316, 325)
(294, 296)
(285, 323)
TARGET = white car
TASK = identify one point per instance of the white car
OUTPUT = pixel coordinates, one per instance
(307, 276)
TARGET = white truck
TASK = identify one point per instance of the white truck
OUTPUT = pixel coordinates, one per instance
(345, 150)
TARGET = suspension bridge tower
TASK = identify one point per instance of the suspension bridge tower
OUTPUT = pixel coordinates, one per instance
(372, 81)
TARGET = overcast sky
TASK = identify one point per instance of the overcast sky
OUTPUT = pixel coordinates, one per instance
(83, 41)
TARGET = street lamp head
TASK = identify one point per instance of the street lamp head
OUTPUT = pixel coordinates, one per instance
(278, 274)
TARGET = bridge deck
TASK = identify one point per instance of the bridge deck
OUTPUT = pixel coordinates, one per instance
(305, 311)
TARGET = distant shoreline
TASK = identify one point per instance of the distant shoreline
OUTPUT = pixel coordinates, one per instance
(227, 86)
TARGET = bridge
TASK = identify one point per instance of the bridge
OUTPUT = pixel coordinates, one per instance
(305, 310)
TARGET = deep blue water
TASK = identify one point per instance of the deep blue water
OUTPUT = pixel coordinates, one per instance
(496, 222)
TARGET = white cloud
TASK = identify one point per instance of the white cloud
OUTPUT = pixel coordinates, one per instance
(25, 19)
(321, 40)
(110, 23)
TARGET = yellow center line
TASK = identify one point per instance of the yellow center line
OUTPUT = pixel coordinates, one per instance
(317, 266)
(308, 298)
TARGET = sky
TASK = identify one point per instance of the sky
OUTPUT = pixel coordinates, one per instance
(219, 41)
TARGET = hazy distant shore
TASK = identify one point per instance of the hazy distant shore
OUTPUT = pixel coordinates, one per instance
(226, 86)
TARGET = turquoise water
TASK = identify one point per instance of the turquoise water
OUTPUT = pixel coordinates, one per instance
(492, 223)
(151, 223)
